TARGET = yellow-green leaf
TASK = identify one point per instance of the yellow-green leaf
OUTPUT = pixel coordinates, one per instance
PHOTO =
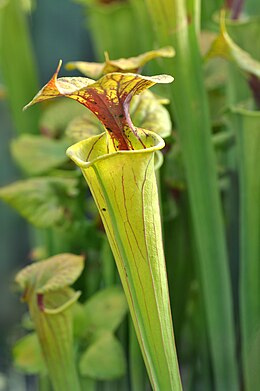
(132, 64)
(42, 201)
(37, 155)
(104, 359)
(106, 309)
(28, 356)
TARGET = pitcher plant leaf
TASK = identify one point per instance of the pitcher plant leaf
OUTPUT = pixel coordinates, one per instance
(132, 64)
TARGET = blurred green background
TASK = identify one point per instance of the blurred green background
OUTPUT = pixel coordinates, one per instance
(200, 181)
(58, 31)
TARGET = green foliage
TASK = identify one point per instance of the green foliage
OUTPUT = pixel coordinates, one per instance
(37, 155)
(224, 46)
(101, 355)
(43, 201)
(57, 116)
(20, 81)
(104, 358)
(210, 148)
(105, 310)
(49, 299)
(27, 355)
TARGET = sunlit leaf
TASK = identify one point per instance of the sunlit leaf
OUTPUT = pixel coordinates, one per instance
(104, 359)
(52, 274)
(28, 356)
(44, 202)
(132, 64)
(37, 155)
(106, 309)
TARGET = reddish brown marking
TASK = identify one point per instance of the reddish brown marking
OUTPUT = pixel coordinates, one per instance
(254, 84)
(111, 115)
(40, 301)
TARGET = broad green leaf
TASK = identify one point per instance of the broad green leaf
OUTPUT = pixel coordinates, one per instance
(52, 274)
(44, 202)
(131, 65)
(28, 356)
(106, 309)
(108, 99)
(224, 46)
(83, 127)
(37, 155)
(148, 113)
(57, 115)
(104, 359)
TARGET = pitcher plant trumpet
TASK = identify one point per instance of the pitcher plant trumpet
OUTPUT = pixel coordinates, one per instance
(118, 166)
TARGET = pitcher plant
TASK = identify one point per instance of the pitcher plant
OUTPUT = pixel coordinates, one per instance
(118, 166)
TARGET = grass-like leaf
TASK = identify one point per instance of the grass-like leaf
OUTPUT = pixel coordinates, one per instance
(177, 23)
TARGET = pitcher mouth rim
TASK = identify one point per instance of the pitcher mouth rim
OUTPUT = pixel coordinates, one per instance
(73, 151)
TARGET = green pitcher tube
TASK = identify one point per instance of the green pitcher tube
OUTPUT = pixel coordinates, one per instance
(118, 166)
(124, 187)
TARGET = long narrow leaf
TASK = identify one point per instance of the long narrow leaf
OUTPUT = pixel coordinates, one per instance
(248, 132)
(20, 81)
(176, 24)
